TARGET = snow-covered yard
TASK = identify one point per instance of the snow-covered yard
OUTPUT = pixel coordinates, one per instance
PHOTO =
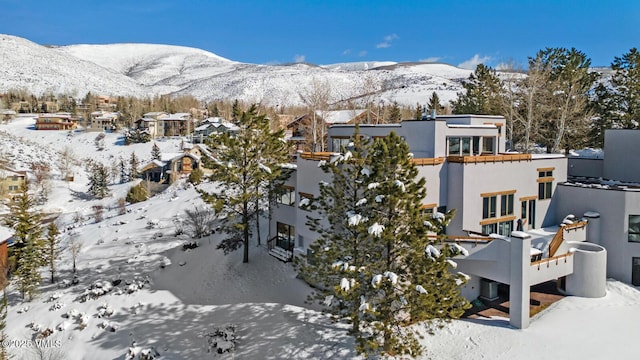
(142, 291)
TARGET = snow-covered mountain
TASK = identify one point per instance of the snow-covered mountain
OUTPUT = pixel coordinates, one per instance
(40, 69)
(149, 69)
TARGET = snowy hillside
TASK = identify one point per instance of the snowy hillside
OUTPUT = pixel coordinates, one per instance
(138, 69)
(138, 290)
(40, 69)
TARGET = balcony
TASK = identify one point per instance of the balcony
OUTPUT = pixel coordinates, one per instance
(489, 158)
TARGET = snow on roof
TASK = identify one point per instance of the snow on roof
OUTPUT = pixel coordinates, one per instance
(147, 119)
(177, 116)
(6, 172)
(587, 153)
(468, 126)
(546, 156)
(5, 233)
(59, 116)
(340, 116)
(153, 113)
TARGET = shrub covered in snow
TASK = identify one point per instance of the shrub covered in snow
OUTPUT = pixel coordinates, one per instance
(222, 340)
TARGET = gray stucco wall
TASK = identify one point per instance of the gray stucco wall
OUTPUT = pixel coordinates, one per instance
(621, 149)
(614, 207)
(585, 167)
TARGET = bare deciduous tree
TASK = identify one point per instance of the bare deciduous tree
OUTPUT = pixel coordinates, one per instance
(75, 246)
(317, 97)
(199, 221)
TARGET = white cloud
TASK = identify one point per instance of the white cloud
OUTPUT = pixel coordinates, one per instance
(387, 41)
(474, 61)
(346, 52)
(431, 59)
(299, 58)
(362, 53)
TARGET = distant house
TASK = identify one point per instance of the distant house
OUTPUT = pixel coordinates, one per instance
(105, 103)
(178, 124)
(5, 235)
(170, 167)
(59, 121)
(10, 182)
(150, 125)
(213, 126)
(6, 115)
(103, 120)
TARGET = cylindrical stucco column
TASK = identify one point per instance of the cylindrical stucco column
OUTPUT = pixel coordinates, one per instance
(589, 277)
(519, 272)
(593, 227)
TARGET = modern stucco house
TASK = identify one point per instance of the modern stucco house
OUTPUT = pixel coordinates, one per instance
(607, 189)
(58, 121)
(466, 167)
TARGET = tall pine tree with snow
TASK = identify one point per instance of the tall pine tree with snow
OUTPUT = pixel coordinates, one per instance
(134, 163)
(370, 261)
(98, 180)
(28, 246)
(248, 162)
(155, 152)
(340, 255)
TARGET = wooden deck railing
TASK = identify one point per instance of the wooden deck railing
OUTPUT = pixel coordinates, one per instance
(551, 259)
(558, 238)
(316, 155)
(464, 239)
(428, 161)
(489, 158)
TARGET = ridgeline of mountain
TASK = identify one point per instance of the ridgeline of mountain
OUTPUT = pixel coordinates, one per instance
(150, 69)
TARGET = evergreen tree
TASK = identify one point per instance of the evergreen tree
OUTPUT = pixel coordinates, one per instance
(483, 93)
(419, 112)
(235, 110)
(564, 100)
(155, 152)
(626, 89)
(215, 112)
(249, 161)
(28, 247)
(434, 104)
(394, 115)
(124, 176)
(137, 193)
(369, 261)
(52, 251)
(134, 173)
(98, 180)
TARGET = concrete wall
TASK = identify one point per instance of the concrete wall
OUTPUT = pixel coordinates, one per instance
(614, 207)
(621, 148)
(585, 167)
(468, 181)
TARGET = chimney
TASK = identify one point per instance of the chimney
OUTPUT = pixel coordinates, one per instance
(433, 114)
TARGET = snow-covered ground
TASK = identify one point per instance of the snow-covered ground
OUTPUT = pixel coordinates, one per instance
(141, 290)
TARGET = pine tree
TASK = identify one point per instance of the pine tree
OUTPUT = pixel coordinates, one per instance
(249, 161)
(394, 115)
(483, 93)
(124, 176)
(134, 173)
(419, 112)
(28, 247)
(343, 244)
(369, 261)
(155, 152)
(98, 180)
(434, 104)
(626, 89)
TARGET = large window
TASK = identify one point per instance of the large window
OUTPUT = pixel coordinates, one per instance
(288, 197)
(454, 146)
(286, 236)
(489, 207)
(339, 143)
(487, 145)
(634, 228)
(506, 205)
(502, 228)
(545, 183)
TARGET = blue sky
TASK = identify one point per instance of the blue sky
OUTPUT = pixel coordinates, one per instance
(323, 32)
